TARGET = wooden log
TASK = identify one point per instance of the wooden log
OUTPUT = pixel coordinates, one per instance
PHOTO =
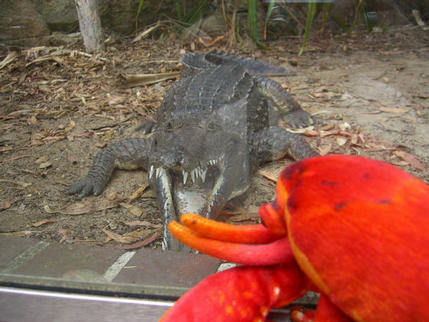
(90, 25)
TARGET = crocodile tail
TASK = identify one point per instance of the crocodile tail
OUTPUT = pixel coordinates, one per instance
(196, 62)
(253, 67)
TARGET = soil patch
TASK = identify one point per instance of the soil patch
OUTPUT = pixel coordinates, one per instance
(369, 93)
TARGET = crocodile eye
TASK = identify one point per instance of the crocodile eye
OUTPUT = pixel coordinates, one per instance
(211, 126)
(169, 126)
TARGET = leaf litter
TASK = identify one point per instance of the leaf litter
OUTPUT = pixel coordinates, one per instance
(60, 105)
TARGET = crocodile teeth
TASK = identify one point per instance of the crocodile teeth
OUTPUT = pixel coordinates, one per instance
(185, 176)
(203, 174)
(158, 172)
(150, 172)
(193, 172)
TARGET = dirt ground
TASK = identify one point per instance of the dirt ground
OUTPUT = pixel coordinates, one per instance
(369, 93)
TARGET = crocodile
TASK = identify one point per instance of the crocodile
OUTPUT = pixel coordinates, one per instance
(215, 126)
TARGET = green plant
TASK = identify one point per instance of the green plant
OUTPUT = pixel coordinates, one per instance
(252, 9)
(360, 9)
(191, 17)
(268, 16)
(311, 13)
(139, 9)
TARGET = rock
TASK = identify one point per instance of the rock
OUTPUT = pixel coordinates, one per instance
(59, 15)
(20, 23)
(213, 25)
(116, 16)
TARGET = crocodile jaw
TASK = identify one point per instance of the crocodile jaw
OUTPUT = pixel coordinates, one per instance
(196, 175)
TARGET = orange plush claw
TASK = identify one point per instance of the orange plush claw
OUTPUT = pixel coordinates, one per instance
(248, 234)
(196, 229)
(357, 228)
(239, 294)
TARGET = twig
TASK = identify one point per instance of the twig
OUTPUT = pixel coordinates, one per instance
(419, 20)
(146, 32)
(8, 59)
(16, 158)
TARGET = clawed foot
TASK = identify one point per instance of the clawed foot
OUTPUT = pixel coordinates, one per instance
(146, 127)
(298, 119)
(86, 186)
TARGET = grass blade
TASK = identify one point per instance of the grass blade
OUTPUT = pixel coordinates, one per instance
(267, 17)
(311, 13)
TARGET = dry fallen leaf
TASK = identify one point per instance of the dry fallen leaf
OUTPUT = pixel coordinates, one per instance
(22, 233)
(210, 43)
(119, 238)
(136, 211)
(141, 223)
(42, 222)
(5, 205)
(328, 133)
(85, 207)
(399, 163)
(45, 165)
(143, 243)
(128, 237)
(21, 183)
(341, 141)
(244, 217)
(132, 80)
(138, 193)
(270, 175)
(393, 110)
(65, 235)
(325, 149)
(410, 159)
(8, 59)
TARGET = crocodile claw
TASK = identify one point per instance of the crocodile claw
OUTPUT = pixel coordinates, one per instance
(86, 186)
(299, 119)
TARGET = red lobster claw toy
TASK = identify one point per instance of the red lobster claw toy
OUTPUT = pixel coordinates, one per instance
(354, 229)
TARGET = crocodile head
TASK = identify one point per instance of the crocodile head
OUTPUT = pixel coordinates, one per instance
(192, 147)
(188, 145)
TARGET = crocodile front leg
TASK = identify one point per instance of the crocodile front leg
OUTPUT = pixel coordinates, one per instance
(288, 107)
(131, 153)
(233, 180)
(274, 143)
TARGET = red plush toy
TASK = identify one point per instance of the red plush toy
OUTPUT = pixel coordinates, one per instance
(354, 229)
